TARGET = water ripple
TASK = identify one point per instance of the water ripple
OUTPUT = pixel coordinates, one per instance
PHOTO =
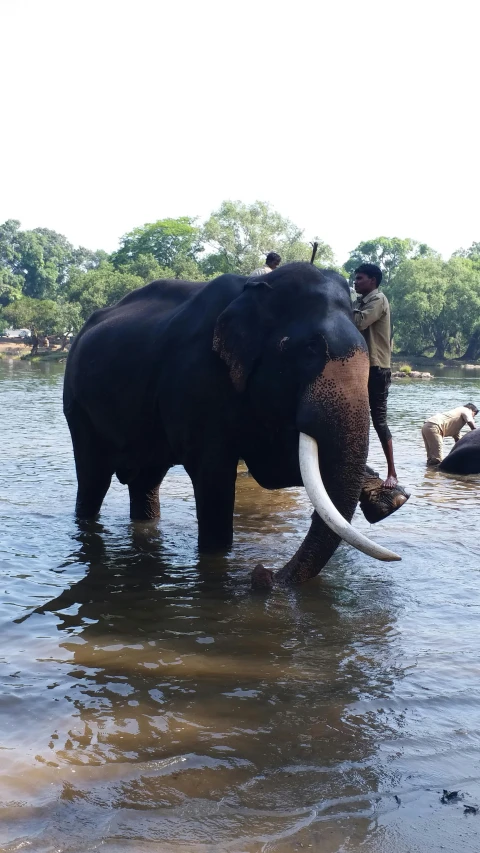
(149, 702)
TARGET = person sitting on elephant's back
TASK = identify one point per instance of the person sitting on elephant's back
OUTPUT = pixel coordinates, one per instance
(372, 317)
(443, 425)
(272, 261)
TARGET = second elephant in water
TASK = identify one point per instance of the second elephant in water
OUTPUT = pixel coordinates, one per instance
(464, 457)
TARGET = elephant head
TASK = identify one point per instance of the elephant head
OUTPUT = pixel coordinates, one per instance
(300, 367)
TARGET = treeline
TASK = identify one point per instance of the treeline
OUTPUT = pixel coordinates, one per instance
(50, 287)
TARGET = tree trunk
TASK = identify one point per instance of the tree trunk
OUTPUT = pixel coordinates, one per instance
(439, 348)
(473, 349)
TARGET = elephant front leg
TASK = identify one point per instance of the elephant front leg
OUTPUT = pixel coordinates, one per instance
(214, 488)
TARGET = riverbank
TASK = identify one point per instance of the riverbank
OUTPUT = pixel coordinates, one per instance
(424, 362)
(429, 368)
(14, 350)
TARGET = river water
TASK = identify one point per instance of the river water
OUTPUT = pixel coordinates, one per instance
(151, 702)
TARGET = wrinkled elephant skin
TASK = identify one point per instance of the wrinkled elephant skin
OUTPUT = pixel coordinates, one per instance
(464, 457)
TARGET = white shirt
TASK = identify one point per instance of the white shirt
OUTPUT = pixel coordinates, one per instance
(450, 423)
(260, 271)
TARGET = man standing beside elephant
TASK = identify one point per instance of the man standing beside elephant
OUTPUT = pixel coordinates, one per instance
(372, 317)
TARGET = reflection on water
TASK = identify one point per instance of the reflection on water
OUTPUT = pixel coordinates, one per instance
(151, 702)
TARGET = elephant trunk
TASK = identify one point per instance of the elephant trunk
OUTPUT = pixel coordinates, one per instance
(334, 410)
(343, 487)
(312, 480)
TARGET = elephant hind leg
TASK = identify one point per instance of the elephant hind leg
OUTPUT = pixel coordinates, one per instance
(144, 494)
(93, 463)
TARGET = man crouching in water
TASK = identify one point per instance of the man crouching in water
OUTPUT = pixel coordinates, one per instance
(372, 317)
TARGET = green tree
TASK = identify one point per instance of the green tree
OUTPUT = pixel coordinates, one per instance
(86, 259)
(69, 320)
(148, 268)
(302, 251)
(10, 286)
(387, 253)
(41, 316)
(38, 262)
(45, 258)
(173, 243)
(11, 282)
(238, 236)
(473, 253)
(472, 352)
(98, 287)
(435, 303)
(9, 239)
(186, 269)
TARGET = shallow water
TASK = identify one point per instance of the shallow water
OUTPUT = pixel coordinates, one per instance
(151, 702)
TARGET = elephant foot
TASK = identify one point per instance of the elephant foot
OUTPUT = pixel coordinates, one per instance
(262, 578)
(377, 502)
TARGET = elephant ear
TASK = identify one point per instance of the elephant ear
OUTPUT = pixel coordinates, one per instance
(241, 330)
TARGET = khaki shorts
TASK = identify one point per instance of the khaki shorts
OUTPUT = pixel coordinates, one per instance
(433, 439)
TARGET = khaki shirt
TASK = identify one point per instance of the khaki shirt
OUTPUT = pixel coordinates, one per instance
(450, 423)
(372, 316)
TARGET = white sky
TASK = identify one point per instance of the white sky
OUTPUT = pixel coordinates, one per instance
(354, 119)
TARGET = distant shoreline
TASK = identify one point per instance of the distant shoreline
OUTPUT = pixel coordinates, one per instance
(12, 348)
(424, 362)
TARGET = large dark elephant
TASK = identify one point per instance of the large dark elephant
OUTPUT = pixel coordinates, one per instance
(271, 370)
(464, 457)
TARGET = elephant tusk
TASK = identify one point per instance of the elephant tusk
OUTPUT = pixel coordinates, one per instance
(312, 480)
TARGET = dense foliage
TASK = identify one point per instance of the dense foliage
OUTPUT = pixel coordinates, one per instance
(435, 304)
(50, 287)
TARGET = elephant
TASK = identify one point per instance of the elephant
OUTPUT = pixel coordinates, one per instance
(271, 370)
(464, 457)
